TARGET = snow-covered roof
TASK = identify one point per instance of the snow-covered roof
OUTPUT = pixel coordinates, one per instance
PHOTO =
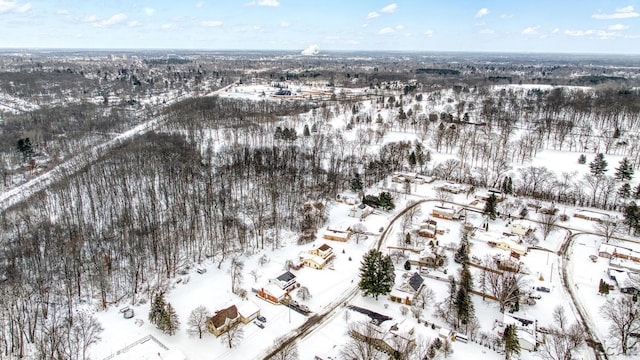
(247, 308)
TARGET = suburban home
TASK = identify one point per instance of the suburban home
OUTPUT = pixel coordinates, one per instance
(442, 212)
(428, 229)
(272, 293)
(484, 196)
(387, 337)
(446, 334)
(591, 215)
(508, 245)
(522, 228)
(408, 290)
(317, 258)
(286, 281)
(429, 257)
(360, 211)
(526, 329)
(609, 251)
(452, 188)
(248, 311)
(339, 233)
(223, 320)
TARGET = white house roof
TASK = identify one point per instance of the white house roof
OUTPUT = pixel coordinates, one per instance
(247, 308)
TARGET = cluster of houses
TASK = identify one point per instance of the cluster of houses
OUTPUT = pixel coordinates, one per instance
(624, 267)
(411, 177)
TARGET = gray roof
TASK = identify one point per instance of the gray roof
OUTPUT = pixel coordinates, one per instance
(286, 277)
(415, 281)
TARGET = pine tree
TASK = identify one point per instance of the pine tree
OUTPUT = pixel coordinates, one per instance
(624, 191)
(156, 313)
(582, 159)
(407, 265)
(420, 157)
(278, 134)
(386, 201)
(306, 131)
(171, 323)
(624, 172)
(462, 254)
(636, 192)
(599, 165)
(356, 183)
(511, 342)
(412, 159)
(490, 207)
(464, 305)
(377, 274)
(632, 217)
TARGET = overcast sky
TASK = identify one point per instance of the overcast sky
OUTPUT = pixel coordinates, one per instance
(566, 26)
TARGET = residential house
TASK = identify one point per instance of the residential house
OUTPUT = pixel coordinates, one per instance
(360, 211)
(272, 293)
(611, 251)
(428, 229)
(408, 290)
(223, 320)
(526, 329)
(248, 311)
(484, 195)
(387, 337)
(429, 257)
(591, 215)
(446, 334)
(317, 258)
(339, 233)
(522, 228)
(443, 212)
(286, 281)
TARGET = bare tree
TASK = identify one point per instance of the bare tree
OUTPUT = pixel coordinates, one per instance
(288, 350)
(561, 338)
(416, 311)
(505, 287)
(196, 324)
(255, 275)
(84, 331)
(236, 274)
(443, 195)
(608, 229)
(624, 317)
(426, 297)
(232, 336)
(358, 232)
(547, 223)
(361, 344)
(303, 293)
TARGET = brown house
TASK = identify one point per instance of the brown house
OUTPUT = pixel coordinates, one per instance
(223, 320)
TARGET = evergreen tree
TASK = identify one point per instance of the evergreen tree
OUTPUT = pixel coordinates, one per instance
(386, 201)
(632, 217)
(462, 254)
(170, 323)
(599, 165)
(306, 131)
(624, 191)
(156, 312)
(278, 134)
(407, 265)
(511, 342)
(407, 239)
(314, 128)
(464, 305)
(377, 274)
(636, 192)
(624, 171)
(25, 148)
(356, 183)
(582, 159)
(490, 207)
(507, 185)
(420, 157)
(412, 159)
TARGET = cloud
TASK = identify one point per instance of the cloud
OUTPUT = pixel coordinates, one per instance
(133, 23)
(6, 6)
(310, 50)
(63, 12)
(200, 5)
(211, 23)
(487, 31)
(168, 26)
(386, 30)
(621, 13)
(579, 32)
(271, 3)
(506, 16)
(115, 19)
(428, 33)
(618, 27)
(24, 8)
(482, 12)
(555, 31)
(90, 18)
(285, 24)
(399, 27)
(372, 15)
(149, 11)
(531, 30)
(389, 8)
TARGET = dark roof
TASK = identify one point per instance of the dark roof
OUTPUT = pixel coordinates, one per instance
(220, 318)
(415, 281)
(324, 247)
(286, 277)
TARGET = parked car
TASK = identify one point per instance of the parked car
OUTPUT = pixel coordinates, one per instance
(259, 324)
(201, 270)
(128, 314)
(262, 318)
(535, 296)
(543, 289)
